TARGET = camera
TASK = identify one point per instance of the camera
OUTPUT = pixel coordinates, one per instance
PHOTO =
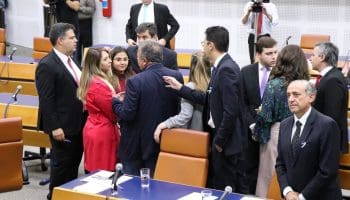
(256, 7)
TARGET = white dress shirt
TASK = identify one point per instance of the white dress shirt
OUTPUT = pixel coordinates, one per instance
(266, 23)
(148, 16)
(64, 59)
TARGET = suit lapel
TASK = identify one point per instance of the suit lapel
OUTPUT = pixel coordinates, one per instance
(305, 134)
(156, 13)
(289, 129)
(136, 14)
(62, 66)
(255, 81)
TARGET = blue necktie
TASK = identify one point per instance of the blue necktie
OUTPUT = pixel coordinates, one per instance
(263, 81)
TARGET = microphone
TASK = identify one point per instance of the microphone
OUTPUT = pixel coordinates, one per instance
(228, 190)
(118, 170)
(14, 49)
(14, 96)
(288, 38)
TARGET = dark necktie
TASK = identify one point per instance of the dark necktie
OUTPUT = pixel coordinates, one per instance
(295, 140)
(213, 73)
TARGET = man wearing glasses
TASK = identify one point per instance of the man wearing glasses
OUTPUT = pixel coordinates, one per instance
(222, 113)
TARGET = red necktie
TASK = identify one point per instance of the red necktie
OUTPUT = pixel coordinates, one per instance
(260, 18)
(318, 80)
(75, 74)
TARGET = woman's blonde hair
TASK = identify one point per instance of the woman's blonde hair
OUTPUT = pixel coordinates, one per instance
(199, 71)
(91, 67)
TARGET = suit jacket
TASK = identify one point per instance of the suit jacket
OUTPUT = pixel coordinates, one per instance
(147, 103)
(251, 91)
(169, 58)
(162, 18)
(59, 106)
(224, 100)
(252, 100)
(332, 100)
(314, 169)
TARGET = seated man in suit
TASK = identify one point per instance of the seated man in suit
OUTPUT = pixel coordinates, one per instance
(148, 31)
(147, 103)
(308, 149)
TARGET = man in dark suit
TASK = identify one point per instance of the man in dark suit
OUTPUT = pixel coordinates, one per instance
(308, 149)
(332, 92)
(148, 31)
(60, 111)
(149, 11)
(223, 110)
(147, 102)
(254, 79)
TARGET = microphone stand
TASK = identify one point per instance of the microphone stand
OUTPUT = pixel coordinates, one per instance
(25, 176)
(7, 107)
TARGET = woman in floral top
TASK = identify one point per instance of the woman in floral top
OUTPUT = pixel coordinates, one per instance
(291, 65)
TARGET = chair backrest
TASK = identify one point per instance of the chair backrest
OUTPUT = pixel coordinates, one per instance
(172, 43)
(344, 160)
(274, 191)
(184, 157)
(344, 177)
(2, 41)
(41, 47)
(308, 41)
(11, 150)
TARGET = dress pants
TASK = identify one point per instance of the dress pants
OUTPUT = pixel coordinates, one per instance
(226, 171)
(85, 39)
(67, 157)
(268, 156)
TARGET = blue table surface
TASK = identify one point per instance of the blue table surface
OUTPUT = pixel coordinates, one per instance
(27, 100)
(19, 59)
(161, 190)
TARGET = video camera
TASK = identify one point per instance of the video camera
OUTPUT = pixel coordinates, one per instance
(257, 5)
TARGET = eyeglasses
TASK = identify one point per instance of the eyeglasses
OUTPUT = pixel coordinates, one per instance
(121, 59)
(205, 42)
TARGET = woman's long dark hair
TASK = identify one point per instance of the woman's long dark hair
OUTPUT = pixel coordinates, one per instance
(291, 64)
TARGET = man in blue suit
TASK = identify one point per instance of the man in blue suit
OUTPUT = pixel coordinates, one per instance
(223, 110)
(308, 149)
(148, 31)
(147, 102)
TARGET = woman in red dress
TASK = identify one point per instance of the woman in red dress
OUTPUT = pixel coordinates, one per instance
(121, 67)
(100, 133)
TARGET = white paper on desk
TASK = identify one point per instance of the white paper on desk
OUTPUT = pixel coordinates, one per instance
(251, 198)
(102, 177)
(91, 187)
(196, 196)
(123, 179)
